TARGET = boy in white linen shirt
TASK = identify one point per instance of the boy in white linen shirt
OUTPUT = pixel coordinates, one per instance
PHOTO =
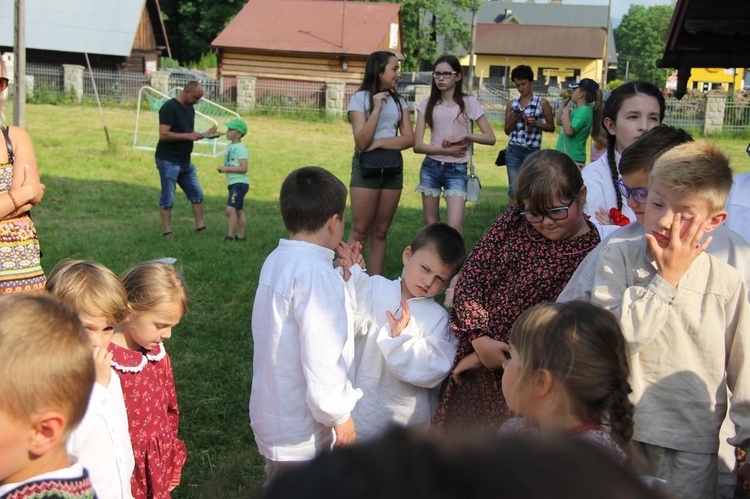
(102, 441)
(404, 347)
(303, 343)
(685, 316)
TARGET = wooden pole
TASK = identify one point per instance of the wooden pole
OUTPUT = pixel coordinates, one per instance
(19, 64)
(98, 102)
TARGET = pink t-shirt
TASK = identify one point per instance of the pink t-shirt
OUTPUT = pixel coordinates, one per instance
(447, 122)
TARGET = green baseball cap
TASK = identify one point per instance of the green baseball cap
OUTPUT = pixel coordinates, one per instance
(237, 124)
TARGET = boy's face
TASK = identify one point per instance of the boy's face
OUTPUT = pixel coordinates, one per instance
(636, 180)
(424, 274)
(14, 450)
(662, 205)
(233, 135)
(98, 328)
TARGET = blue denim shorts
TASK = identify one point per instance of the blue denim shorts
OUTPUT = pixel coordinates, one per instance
(173, 174)
(438, 175)
(237, 193)
(514, 156)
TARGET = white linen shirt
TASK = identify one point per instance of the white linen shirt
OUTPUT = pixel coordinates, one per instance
(101, 441)
(738, 206)
(600, 193)
(726, 245)
(686, 346)
(399, 377)
(302, 353)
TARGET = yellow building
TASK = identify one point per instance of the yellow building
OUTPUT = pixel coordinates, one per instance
(715, 78)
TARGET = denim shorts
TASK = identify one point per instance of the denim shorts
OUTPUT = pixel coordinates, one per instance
(514, 156)
(435, 176)
(237, 193)
(173, 174)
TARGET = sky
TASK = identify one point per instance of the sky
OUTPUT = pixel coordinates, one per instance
(619, 7)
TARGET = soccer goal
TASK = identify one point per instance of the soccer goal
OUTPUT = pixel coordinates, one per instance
(207, 114)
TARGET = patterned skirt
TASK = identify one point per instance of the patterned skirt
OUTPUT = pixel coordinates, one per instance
(20, 256)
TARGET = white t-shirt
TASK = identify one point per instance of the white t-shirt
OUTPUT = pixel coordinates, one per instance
(448, 121)
(389, 115)
(738, 206)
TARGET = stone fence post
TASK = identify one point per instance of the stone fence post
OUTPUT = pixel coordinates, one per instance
(160, 81)
(73, 80)
(335, 91)
(713, 122)
(246, 93)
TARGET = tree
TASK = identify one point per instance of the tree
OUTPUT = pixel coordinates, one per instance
(193, 24)
(424, 22)
(641, 39)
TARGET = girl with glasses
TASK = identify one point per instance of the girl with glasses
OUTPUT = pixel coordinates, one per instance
(447, 113)
(20, 190)
(526, 257)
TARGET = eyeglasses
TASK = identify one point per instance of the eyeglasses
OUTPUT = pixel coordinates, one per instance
(3, 83)
(445, 74)
(559, 213)
(639, 195)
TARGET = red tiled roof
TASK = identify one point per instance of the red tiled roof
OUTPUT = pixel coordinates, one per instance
(312, 26)
(540, 41)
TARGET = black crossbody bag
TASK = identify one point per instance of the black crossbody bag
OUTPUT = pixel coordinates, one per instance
(382, 161)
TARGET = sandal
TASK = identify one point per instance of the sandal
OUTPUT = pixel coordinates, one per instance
(168, 235)
(238, 238)
(228, 238)
(201, 229)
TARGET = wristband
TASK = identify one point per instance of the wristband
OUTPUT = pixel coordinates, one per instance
(15, 204)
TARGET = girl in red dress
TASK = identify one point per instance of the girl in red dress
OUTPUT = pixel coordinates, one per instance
(159, 299)
(568, 373)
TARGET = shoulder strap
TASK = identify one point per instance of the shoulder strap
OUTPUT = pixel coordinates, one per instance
(8, 144)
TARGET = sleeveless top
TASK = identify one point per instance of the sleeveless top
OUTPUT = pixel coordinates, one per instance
(519, 136)
(20, 256)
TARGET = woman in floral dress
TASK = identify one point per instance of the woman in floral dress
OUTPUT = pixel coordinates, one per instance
(526, 257)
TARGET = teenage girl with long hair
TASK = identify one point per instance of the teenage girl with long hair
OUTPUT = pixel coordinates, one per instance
(447, 113)
(380, 120)
(631, 110)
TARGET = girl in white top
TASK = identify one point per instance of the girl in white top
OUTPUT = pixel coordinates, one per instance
(631, 110)
(376, 113)
(447, 113)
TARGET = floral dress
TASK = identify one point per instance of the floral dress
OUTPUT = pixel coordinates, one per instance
(20, 256)
(511, 268)
(153, 418)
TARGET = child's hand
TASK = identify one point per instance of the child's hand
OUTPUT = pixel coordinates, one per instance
(398, 325)
(675, 252)
(345, 434)
(220, 169)
(357, 255)
(102, 362)
(468, 363)
(603, 217)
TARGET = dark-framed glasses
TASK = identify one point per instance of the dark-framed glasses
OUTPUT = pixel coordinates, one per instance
(558, 213)
(639, 195)
(3, 83)
(443, 74)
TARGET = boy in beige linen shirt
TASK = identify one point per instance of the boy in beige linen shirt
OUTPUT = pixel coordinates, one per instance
(686, 318)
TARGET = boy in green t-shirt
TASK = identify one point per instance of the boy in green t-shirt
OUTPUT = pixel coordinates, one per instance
(235, 166)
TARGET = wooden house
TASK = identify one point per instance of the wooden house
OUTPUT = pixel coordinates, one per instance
(121, 34)
(307, 40)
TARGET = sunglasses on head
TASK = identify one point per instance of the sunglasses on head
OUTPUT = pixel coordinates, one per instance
(3, 83)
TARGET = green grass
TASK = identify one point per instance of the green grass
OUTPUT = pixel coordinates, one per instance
(100, 204)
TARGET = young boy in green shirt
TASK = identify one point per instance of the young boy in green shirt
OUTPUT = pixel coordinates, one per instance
(235, 166)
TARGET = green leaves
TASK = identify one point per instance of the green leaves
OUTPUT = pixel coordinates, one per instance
(641, 38)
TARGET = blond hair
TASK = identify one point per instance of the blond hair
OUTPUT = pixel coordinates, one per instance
(46, 359)
(90, 288)
(150, 284)
(697, 168)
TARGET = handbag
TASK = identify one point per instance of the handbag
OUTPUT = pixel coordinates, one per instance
(500, 161)
(380, 162)
(473, 185)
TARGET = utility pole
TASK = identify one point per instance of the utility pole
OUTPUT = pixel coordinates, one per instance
(605, 61)
(19, 64)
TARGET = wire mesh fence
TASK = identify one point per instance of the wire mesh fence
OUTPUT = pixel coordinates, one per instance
(736, 116)
(685, 113)
(286, 96)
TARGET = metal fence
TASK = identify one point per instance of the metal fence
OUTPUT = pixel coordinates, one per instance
(685, 113)
(286, 96)
(737, 116)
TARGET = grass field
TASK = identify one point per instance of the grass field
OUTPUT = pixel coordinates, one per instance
(100, 204)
